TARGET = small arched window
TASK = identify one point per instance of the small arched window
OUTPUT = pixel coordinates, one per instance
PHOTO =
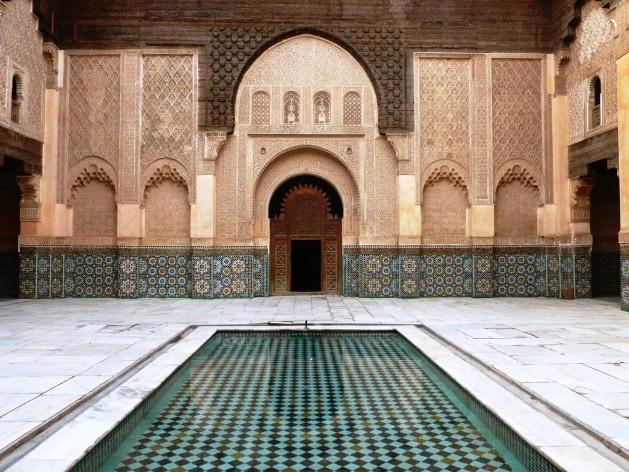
(352, 113)
(17, 97)
(321, 108)
(261, 109)
(595, 100)
(291, 108)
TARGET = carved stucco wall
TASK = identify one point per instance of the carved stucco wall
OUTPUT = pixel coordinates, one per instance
(592, 52)
(304, 66)
(94, 209)
(106, 97)
(516, 213)
(166, 210)
(21, 49)
(479, 116)
(444, 207)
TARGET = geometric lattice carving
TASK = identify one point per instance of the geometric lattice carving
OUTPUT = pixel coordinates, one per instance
(444, 110)
(352, 113)
(291, 108)
(89, 173)
(519, 173)
(517, 110)
(321, 108)
(380, 49)
(261, 109)
(94, 109)
(167, 109)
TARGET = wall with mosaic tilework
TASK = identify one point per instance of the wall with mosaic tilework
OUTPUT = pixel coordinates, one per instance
(449, 271)
(128, 272)
(406, 272)
(624, 276)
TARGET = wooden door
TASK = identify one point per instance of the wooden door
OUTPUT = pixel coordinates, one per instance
(305, 214)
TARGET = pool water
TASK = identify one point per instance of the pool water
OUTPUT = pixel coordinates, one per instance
(310, 401)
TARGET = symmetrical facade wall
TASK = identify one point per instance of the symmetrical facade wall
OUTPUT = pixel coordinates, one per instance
(168, 158)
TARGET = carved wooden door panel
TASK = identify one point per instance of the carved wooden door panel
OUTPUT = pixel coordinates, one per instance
(305, 215)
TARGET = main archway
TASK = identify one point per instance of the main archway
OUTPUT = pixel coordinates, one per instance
(306, 214)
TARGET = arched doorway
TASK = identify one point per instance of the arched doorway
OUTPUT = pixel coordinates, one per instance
(306, 215)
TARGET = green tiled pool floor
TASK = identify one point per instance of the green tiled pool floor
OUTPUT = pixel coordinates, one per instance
(309, 401)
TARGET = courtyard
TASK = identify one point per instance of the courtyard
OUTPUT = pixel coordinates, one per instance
(568, 359)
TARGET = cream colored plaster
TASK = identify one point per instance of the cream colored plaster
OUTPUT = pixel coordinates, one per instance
(202, 213)
(547, 220)
(622, 67)
(561, 187)
(410, 221)
(130, 220)
(480, 221)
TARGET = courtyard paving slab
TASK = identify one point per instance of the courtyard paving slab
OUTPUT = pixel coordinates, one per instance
(573, 355)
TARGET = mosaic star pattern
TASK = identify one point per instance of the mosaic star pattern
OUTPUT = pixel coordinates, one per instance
(279, 401)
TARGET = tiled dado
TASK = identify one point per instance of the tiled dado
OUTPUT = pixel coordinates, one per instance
(457, 271)
(624, 276)
(138, 272)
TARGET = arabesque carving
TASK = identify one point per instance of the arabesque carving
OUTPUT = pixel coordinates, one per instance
(517, 110)
(445, 172)
(580, 190)
(521, 173)
(167, 108)
(94, 107)
(30, 202)
(444, 108)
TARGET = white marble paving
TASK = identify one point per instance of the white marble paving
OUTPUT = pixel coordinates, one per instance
(574, 355)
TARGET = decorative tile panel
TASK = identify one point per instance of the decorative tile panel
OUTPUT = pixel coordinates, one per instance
(232, 276)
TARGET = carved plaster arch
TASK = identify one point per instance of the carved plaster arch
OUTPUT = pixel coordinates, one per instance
(445, 170)
(305, 161)
(166, 169)
(291, 147)
(322, 35)
(522, 171)
(88, 169)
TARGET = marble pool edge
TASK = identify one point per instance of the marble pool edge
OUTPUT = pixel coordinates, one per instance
(66, 447)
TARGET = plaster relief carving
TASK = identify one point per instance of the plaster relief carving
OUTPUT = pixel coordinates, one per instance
(168, 108)
(517, 111)
(91, 168)
(213, 143)
(300, 162)
(592, 52)
(444, 107)
(94, 108)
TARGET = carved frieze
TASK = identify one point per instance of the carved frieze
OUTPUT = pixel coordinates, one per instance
(30, 202)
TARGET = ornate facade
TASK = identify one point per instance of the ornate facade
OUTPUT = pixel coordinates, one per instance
(384, 162)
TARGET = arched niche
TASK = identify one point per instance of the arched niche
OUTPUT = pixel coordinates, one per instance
(303, 68)
(305, 161)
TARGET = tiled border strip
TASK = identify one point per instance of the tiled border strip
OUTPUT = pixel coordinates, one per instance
(67, 447)
(52, 421)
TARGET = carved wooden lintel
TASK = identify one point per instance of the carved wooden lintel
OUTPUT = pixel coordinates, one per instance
(580, 190)
(30, 204)
(214, 140)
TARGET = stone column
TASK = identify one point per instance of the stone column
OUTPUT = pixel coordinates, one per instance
(202, 214)
(130, 224)
(622, 82)
(409, 212)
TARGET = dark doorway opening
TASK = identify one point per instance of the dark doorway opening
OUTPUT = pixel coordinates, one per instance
(9, 229)
(604, 226)
(305, 267)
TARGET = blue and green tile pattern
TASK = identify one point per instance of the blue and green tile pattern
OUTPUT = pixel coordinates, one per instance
(311, 401)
